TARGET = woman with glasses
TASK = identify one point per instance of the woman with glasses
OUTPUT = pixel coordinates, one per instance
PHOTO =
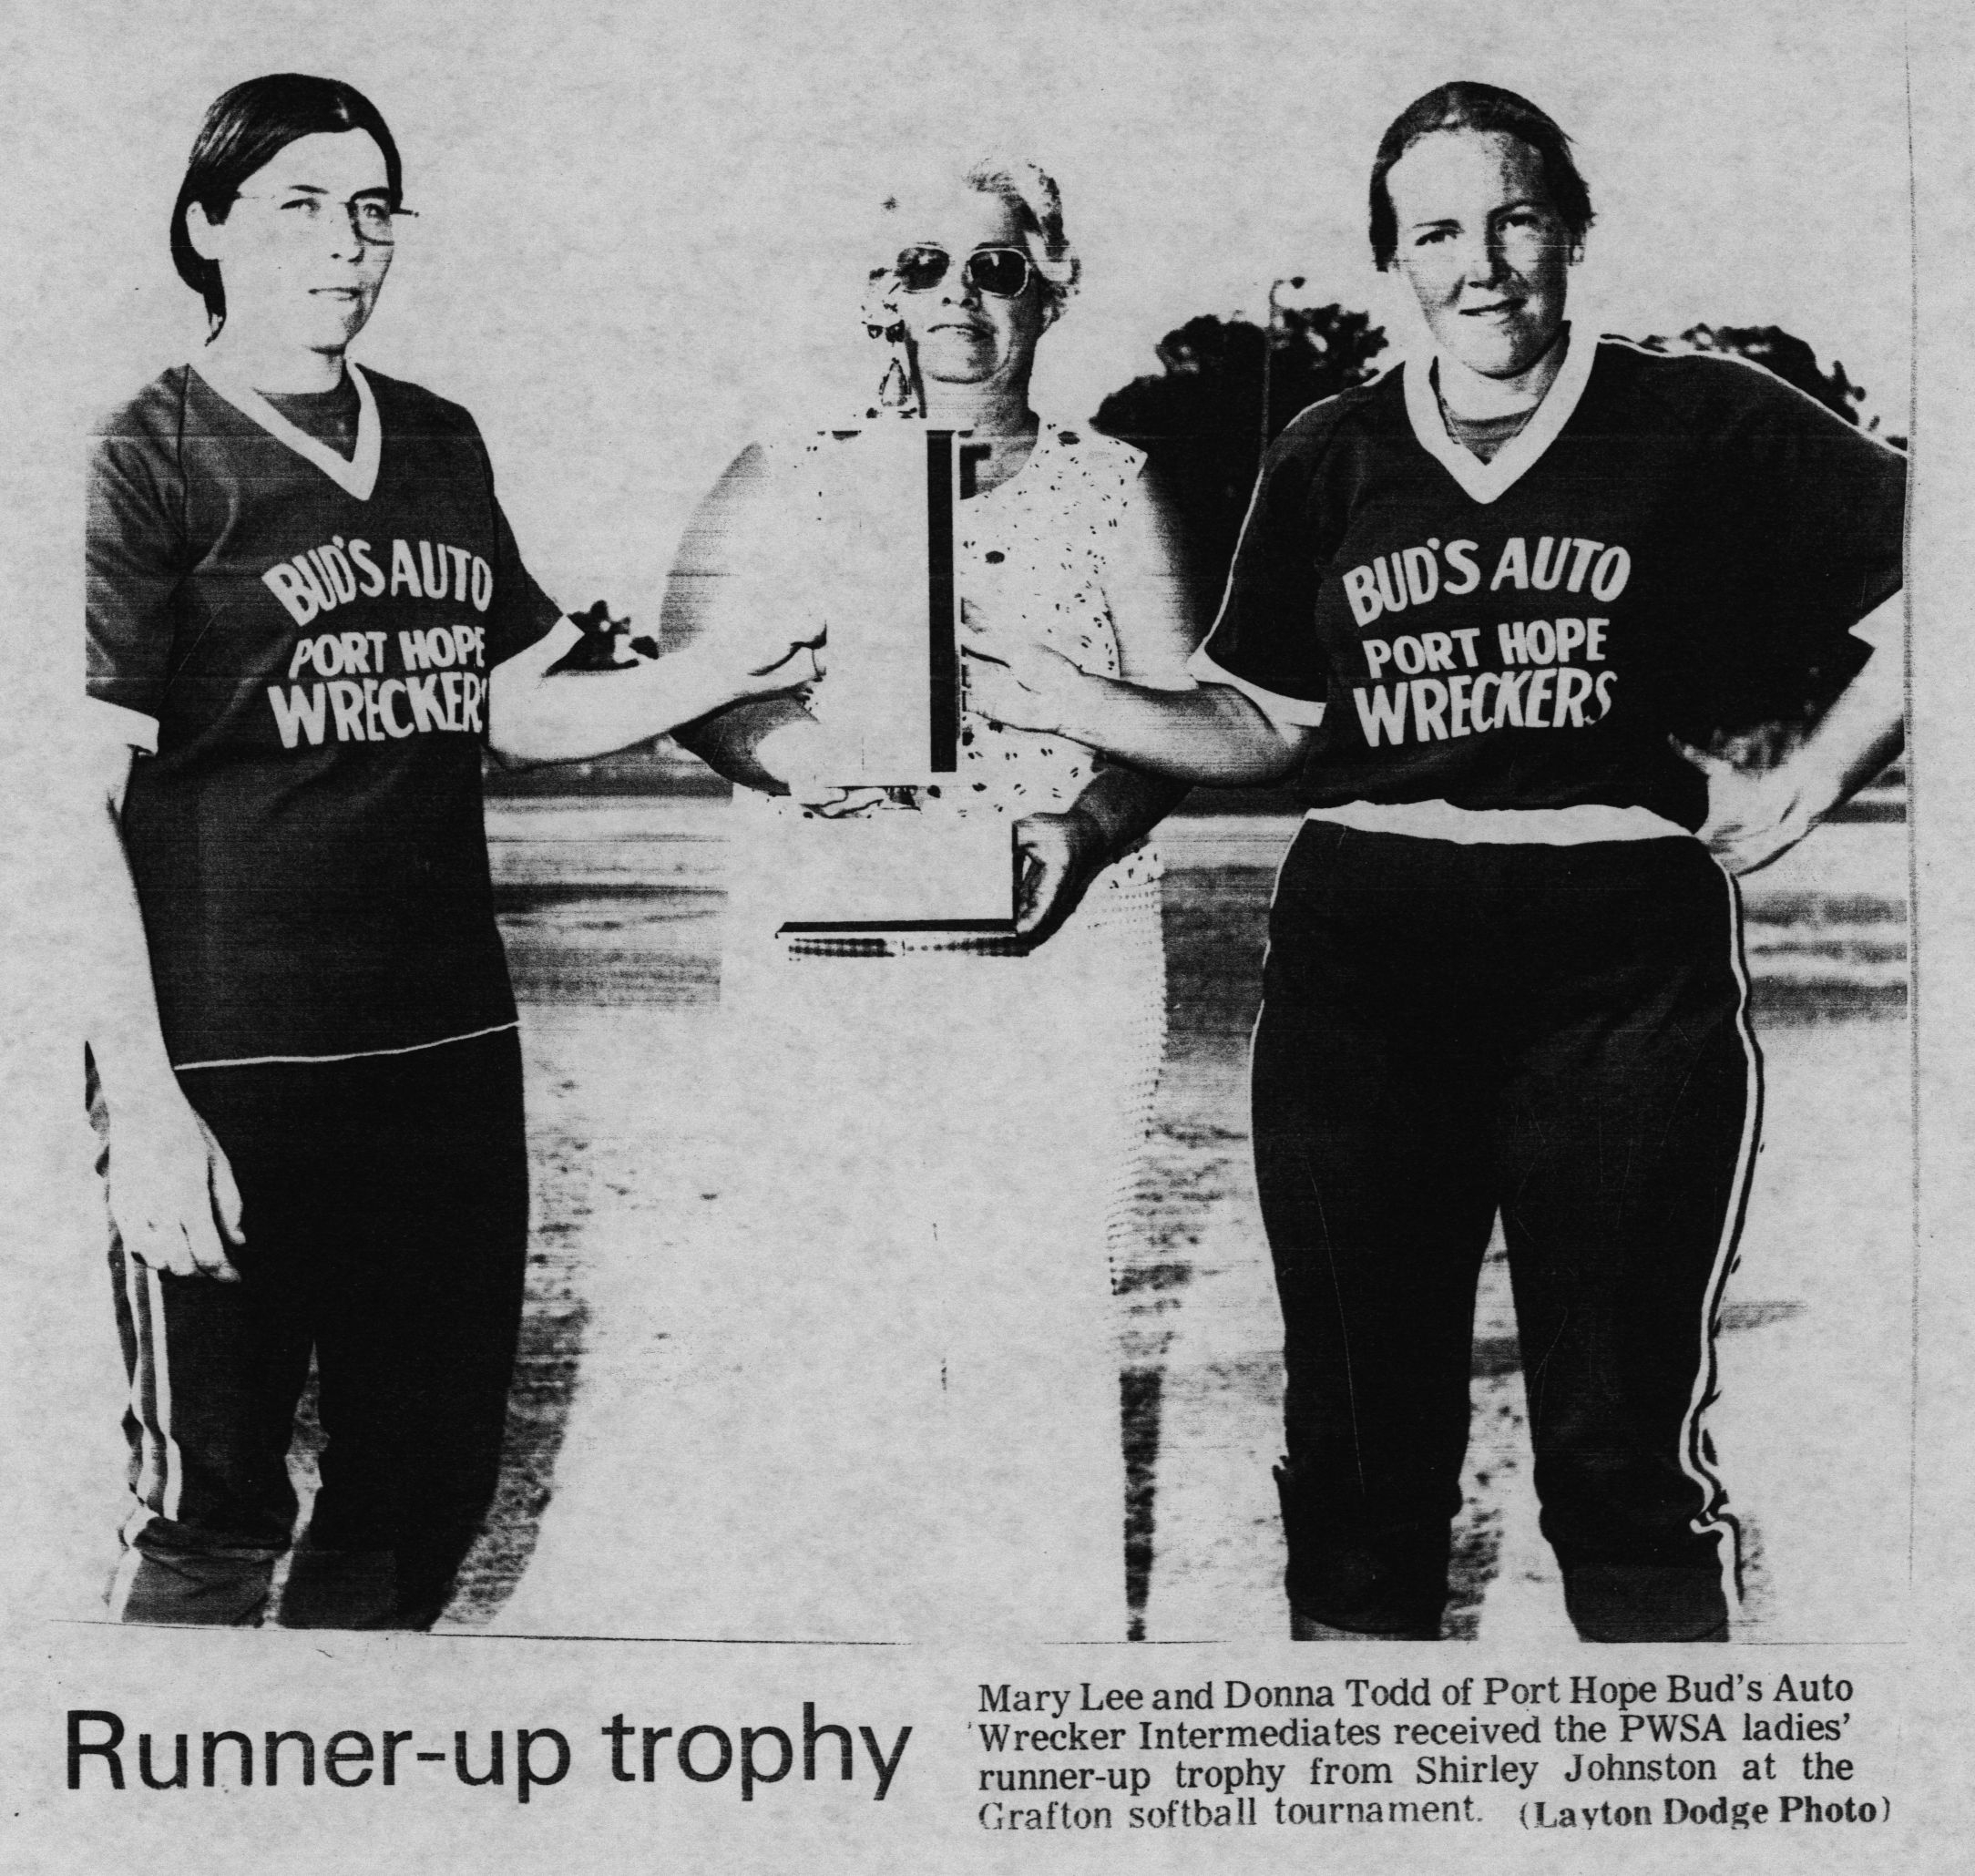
(891, 1410)
(307, 620)
(1478, 608)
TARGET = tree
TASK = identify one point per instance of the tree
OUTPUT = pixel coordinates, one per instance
(1789, 358)
(1761, 745)
(1200, 421)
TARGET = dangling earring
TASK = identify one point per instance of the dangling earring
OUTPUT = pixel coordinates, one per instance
(895, 389)
(898, 392)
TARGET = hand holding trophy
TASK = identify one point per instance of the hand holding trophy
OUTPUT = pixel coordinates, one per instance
(879, 565)
(1015, 683)
(1010, 681)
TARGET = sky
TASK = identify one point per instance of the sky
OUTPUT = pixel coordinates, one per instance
(643, 230)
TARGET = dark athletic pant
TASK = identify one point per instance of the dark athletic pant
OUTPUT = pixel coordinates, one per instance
(385, 1214)
(1558, 1034)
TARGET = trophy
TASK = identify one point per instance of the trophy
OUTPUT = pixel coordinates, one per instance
(882, 575)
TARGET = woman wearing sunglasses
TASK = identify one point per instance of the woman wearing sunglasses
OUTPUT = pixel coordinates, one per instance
(1474, 606)
(898, 1414)
(307, 620)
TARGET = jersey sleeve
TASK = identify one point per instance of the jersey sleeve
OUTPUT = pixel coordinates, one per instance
(133, 553)
(1814, 513)
(1264, 641)
(521, 612)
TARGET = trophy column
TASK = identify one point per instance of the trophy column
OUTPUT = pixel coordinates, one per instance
(890, 706)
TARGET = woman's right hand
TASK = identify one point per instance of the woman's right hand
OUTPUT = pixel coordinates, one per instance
(797, 753)
(840, 804)
(1014, 682)
(172, 1195)
(772, 662)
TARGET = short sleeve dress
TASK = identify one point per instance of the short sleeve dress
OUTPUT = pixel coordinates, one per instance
(889, 1403)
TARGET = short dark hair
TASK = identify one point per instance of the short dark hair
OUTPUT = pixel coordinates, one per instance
(1467, 104)
(245, 129)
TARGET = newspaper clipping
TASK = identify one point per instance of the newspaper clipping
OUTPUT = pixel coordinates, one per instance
(948, 888)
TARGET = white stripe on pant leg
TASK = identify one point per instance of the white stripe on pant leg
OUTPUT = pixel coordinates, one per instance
(161, 1388)
(1254, 1029)
(1713, 1515)
(149, 1466)
(127, 1573)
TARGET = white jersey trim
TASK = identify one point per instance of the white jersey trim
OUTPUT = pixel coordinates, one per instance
(357, 477)
(1579, 825)
(122, 724)
(1488, 481)
(1294, 713)
(494, 1029)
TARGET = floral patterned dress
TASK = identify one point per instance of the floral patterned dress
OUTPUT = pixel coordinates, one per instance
(895, 1413)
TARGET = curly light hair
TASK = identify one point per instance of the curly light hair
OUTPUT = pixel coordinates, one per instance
(1031, 192)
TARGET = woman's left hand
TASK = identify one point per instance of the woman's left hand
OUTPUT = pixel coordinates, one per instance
(1752, 819)
(1012, 682)
(1060, 854)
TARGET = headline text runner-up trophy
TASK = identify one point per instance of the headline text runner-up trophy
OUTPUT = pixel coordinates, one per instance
(881, 571)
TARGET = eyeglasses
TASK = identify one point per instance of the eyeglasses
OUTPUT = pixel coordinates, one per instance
(371, 217)
(1002, 271)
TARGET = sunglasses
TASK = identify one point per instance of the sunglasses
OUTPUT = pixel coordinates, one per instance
(1002, 271)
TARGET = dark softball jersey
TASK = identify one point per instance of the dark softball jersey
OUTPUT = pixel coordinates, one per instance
(1673, 545)
(311, 639)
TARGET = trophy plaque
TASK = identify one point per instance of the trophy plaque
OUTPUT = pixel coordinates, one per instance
(882, 575)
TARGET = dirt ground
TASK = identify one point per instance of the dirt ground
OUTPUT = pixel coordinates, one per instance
(611, 912)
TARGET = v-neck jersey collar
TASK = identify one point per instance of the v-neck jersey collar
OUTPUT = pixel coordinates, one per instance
(1487, 482)
(357, 475)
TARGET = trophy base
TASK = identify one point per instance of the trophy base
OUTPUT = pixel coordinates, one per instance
(897, 878)
(901, 940)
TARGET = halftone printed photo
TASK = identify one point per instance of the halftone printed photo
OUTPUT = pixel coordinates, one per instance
(949, 889)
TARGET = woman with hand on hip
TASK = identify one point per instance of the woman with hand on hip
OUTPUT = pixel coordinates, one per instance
(1478, 608)
(892, 1411)
(307, 620)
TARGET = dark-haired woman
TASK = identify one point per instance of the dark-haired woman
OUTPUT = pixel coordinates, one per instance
(1474, 604)
(307, 619)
